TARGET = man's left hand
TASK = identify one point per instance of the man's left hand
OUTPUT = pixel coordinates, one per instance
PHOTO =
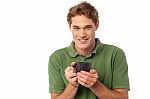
(87, 79)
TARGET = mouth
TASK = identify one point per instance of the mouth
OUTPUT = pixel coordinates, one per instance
(83, 41)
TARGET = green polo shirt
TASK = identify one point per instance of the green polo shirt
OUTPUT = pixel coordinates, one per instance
(108, 60)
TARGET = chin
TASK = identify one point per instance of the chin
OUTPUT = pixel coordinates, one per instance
(83, 47)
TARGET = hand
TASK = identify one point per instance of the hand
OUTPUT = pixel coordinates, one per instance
(87, 79)
(71, 75)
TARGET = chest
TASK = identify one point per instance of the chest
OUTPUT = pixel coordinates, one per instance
(103, 65)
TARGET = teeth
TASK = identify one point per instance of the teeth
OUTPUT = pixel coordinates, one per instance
(82, 40)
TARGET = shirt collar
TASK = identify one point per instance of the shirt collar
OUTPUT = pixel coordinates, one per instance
(73, 53)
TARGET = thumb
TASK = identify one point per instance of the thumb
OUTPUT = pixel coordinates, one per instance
(93, 71)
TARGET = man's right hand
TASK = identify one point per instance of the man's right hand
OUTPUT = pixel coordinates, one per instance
(71, 75)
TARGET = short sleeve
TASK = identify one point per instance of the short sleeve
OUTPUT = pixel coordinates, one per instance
(56, 83)
(120, 71)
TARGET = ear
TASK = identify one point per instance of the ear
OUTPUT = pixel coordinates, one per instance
(97, 24)
(69, 25)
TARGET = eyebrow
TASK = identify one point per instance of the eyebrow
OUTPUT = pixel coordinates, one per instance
(75, 26)
(88, 26)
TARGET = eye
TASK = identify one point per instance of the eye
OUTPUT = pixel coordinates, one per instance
(88, 27)
(76, 28)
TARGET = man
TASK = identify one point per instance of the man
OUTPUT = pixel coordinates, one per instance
(108, 76)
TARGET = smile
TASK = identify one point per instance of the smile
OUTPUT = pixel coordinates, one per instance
(82, 41)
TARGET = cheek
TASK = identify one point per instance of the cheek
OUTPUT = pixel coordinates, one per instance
(91, 34)
(74, 34)
(74, 37)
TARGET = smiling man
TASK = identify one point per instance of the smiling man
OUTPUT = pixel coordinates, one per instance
(83, 30)
(108, 74)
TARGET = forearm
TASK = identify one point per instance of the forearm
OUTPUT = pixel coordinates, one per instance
(101, 91)
(69, 93)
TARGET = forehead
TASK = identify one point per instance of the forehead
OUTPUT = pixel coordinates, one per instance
(81, 20)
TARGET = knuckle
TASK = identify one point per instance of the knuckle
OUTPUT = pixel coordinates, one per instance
(86, 78)
(86, 81)
(73, 63)
(83, 84)
(94, 80)
(97, 76)
(92, 84)
(65, 75)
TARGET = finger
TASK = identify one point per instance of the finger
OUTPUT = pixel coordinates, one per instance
(93, 71)
(70, 74)
(85, 84)
(74, 79)
(73, 75)
(84, 78)
(82, 75)
(80, 82)
(72, 68)
(89, 74)
(85, 73)
(68, 69)
(73, 63)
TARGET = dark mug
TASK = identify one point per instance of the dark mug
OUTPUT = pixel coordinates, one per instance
(82, 66)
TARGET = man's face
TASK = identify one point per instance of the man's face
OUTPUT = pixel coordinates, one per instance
(83, 31)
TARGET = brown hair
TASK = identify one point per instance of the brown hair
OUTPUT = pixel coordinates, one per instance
(85, 9)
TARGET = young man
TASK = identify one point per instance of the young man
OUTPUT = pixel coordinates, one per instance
(108, 76)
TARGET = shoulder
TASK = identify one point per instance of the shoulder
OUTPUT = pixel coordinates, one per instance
(112, 50)
(59, 52)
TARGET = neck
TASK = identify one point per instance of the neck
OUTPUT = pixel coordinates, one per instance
(85, 52)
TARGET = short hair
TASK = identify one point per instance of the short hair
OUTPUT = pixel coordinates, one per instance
(85, 9)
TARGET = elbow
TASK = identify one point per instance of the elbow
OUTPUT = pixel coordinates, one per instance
(124, 97)
(55, 96)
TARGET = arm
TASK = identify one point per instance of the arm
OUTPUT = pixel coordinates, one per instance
(90, 80)
(71, 89)
(69, 93)
(103, 92)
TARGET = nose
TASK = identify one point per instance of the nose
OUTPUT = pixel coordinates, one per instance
(83, 33)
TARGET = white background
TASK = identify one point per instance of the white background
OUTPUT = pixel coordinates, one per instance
(30, 30)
